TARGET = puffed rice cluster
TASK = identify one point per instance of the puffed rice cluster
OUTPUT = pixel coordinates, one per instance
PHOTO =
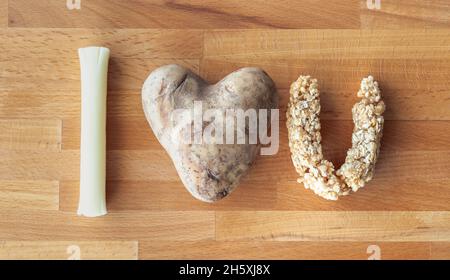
(303, 123)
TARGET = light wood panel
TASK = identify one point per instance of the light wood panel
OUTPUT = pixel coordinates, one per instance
(440, 251)
(127, 195)
(64, 165)
(407, 190)
(404, 210)
(259, 195)
(417, 75)
(49, 75)
(231, 14)
(413, 89)
(132, 133)
(332, 226)
(60, 45)
(18, 225)
(29, 195)
(30, 134)
(328, 44)
(336, 104)
(402, 89)
(396, 195)
(68, 250)
(65, 104)
(398, 166)
(292, 250)
(181, 14)
(45, 104)
(3, 13)
(406, 14)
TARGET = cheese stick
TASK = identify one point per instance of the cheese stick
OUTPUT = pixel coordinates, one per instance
(94, 71)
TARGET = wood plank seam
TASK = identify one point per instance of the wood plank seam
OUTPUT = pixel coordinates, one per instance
(30, 195)
(376, 226)
(31, 134)
(69, 250)
(408, 71)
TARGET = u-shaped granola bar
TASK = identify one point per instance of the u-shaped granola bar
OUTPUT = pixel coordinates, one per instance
(303, 125)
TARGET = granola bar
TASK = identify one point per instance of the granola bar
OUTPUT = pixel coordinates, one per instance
(303, 123)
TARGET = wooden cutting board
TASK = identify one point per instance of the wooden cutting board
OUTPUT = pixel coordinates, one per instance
(402, 213)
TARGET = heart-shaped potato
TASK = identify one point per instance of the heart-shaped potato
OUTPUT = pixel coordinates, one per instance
(209, 171)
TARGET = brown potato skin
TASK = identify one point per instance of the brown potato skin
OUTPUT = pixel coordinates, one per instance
(209, 171)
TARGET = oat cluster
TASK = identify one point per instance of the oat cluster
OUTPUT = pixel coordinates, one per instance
(303, 123)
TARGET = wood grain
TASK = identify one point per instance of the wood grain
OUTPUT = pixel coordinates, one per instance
(440, 251)
(60, 45)
(130, 133)
(47, 75)
(406, 14)
(30, 134)
(399, 135)
(133, 133)
(336, 104)
(3, 13)
(29, 195)
(68, 250)
(403, 82)
(180, 14)
(42, 225)
(405, 210)
(129, 195)
(31, 165)
(292, 250)
(340, 74)
(396, 166)
(65, 104)
(401, 165)
(328, 44)
(258, 191)
(332, 226)
(258, 195)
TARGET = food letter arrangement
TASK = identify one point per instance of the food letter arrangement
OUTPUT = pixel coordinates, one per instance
(303, 123)
(209, 170)
(94, 70)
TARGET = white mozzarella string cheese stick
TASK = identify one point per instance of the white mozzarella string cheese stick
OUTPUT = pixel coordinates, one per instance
(94, 72)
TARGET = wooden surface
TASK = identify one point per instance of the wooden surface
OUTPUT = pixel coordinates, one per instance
(404, 212)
